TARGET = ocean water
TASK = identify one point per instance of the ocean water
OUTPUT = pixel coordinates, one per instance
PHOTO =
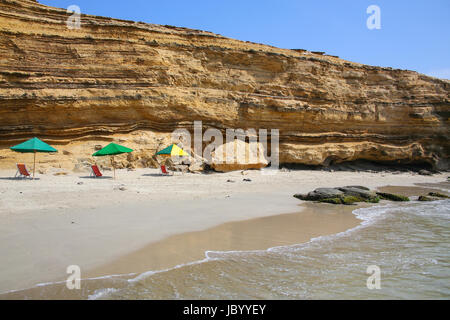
(408, 242)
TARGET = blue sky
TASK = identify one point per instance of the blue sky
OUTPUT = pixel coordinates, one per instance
(414, 35)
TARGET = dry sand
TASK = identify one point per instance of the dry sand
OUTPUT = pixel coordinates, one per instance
(53, 222)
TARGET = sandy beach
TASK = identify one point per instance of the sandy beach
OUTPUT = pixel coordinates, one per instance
(100, 224)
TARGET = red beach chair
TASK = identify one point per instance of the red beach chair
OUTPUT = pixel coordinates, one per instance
(22, 171)
(96, 171)
(164, 171)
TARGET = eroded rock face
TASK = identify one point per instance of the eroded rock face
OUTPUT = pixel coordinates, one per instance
(134, 83)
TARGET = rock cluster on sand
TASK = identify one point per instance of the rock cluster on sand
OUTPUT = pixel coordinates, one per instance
(352, 194)
(348, 195)
(341, 195)
(231, 156)
(392, 197)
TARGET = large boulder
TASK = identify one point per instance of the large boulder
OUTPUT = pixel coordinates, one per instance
(197, 166)
(439, 195)
(392, 197)
(238, 155)
(357, 191)
(177, 164)
(358, 187)
(427, 198)
(320, 194)
(433, 196)
(342, 195)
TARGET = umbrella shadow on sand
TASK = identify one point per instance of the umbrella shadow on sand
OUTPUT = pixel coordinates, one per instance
(155, 175)
(18, 179)
(96, 178)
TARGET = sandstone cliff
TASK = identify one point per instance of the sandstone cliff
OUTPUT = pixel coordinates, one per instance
(135, 83)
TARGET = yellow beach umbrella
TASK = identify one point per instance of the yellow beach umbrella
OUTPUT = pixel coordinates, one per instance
(171, 151)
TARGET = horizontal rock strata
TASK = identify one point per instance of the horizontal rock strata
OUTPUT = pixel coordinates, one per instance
(135, 83)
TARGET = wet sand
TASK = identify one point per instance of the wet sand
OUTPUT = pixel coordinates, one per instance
(314, 220)
(419, 189)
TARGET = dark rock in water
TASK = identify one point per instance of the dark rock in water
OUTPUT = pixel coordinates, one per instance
(351, 200)
(229, 180)
(357, 192)
(300, 196)
(425, 172)
(392, 197)
(425, 198)
(247, 180)
(321, 194)
(358, 187)
(344, 195)
(332, 200)
(350, 195)
(439, 195)
(374, 200)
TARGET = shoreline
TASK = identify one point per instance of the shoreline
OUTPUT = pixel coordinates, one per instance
(258, 234)
(307, 222)
(103, 258)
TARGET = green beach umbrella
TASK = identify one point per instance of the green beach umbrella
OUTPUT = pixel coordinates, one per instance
(33, 145)
(112, 149)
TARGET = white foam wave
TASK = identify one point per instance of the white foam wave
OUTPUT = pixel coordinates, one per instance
(101, 293)
(45, 284)
(438, 209)
(152, 272)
